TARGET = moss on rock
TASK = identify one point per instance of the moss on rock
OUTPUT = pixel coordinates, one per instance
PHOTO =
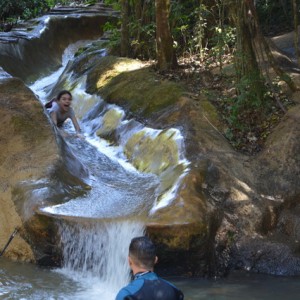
(127, 83)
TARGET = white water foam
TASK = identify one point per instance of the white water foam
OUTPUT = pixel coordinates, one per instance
(125, 130)
(95, 255)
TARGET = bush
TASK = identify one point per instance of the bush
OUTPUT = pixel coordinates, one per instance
(22, 9)
(11, 10)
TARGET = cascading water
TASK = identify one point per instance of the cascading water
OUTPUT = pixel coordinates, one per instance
(94, 233)
(95, 254)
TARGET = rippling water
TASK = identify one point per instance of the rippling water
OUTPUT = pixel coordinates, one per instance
(26, 281)
(240, 285)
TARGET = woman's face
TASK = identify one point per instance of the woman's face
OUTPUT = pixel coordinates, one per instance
(64, 102)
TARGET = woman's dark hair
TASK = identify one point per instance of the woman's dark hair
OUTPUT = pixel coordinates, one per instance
(63, 93)
(143, 251)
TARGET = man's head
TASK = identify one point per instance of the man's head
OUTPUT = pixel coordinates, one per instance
(142, 254)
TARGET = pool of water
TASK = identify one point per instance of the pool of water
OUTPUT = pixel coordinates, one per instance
(27, 281)
(241, 285)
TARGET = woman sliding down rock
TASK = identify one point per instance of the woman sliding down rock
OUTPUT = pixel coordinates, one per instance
(60, 110)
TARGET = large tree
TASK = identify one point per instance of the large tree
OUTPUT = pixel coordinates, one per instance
(124, 28)
(166, 58)
(246, 62)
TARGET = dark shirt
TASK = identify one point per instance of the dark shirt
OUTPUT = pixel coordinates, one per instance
(148, 286)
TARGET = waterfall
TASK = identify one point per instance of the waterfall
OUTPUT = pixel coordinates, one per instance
(95, 254)
(94, 251)
(94, 235)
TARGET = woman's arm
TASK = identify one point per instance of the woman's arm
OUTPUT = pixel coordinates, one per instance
(53, 117)
(75, 123)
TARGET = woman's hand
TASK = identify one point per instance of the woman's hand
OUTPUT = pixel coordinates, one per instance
(63, 133)
(79, 135)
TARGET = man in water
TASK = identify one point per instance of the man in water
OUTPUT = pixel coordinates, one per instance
(146, 285)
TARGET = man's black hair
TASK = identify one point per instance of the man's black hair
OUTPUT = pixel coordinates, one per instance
(143, 251)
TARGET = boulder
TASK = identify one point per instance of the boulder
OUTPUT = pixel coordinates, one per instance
(28, 154)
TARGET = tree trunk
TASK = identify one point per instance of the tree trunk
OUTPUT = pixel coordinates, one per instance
(166, 58)
(296, 36)
(140, 8)
(253, 48)
(124, 28)
(246, 62)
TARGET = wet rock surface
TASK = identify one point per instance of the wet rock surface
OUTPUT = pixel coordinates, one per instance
(229, 197)
(31, 163)
(28, 153)
(34, 48)
(231, 210)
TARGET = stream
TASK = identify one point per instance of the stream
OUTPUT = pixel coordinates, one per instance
(97, 226)
(30, 282)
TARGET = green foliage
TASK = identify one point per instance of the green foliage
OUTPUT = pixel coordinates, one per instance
(249, 116)
(193, 27)
(91, 2)
(222, 41)
(275, 16)
(143, 45)
(192, 24)
(114, 3)
(197, 41)
(114, 34)
(199, 29)
(23, 9)
(11, 10)
(141, 28)
(51, 3)
(183, 16)
(249, 124)
(247, 100)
